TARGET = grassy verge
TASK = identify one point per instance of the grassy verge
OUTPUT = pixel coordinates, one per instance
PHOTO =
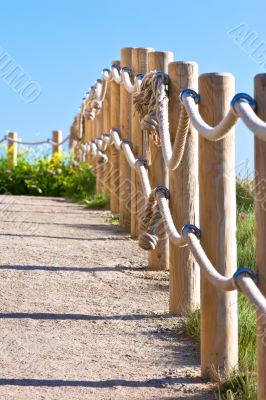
(50, 176)
(240, 385)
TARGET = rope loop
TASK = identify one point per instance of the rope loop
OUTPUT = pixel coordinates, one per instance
(191, 93)
(244, 98)
(190, 228)
(247, 272)
(162, 189)
(141, 161)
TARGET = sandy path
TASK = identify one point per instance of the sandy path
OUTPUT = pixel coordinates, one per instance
(80, 317)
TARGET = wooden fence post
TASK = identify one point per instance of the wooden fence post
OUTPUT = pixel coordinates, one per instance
(57, 138)
(219, 341)
(125, 131)
(88, 137)
(107, 168)
(139, 66)
(260, 213)
(158, 259)
(184, 277)
(115, 123)
(12, 149)
(98, 166)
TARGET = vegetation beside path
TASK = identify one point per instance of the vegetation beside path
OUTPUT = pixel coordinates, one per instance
(241, 384)
(50, 176)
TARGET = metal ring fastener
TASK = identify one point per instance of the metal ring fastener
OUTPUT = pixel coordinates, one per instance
(163, 189)
(127, 69)
(163, 75)
(191, 93)
(116, 66)
(245, 271)
(142, 161)
(125, 141)
(190, 228)
(243, 97)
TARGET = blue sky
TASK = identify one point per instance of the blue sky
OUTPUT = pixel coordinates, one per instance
(64, 45)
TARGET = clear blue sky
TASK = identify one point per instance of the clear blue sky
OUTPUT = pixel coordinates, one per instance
(63, 46)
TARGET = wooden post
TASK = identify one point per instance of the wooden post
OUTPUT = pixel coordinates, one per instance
(125, 130)
(106, 128)
(158, 259)
(260, 213)
(219, 341)
(98, 166)
(184, 278)
(139, 66)
(57, 138)
(12, 149)
(115, 123)
(93, 136)
(88, 137)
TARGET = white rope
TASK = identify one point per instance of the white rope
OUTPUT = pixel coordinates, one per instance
(107, 75)
(251, 120)
(116, 138)
(129, 154)
(205, 130)
(115, 69)
(100, 144)
(125, 75)
(47, 141)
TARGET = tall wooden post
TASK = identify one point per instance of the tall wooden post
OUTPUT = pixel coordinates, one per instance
(125, 130)
(184, 279)
(88, 137)
(106, 128)
(12, 149)
(115, 123)
(57, 138)
(260, 212)
(93, 137)
(139, 66)
(158, 259)
(219, 341)
(98, 166)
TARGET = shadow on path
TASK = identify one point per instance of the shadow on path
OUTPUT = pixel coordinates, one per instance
(159, 383)
(66, 269)
(81, 317)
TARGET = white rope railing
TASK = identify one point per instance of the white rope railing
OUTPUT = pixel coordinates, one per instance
(157, 208)
(190, 234)
(33, 143)
(242, 280)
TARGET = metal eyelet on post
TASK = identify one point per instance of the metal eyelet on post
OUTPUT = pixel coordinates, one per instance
(191, 93)
(125, 141)
(190, 228)
(142, 161)
(164, 190)
(245, 271)
(163, 75)
(127, 69)
(243, 97)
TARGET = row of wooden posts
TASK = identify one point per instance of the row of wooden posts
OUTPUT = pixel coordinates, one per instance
(201, 189)
(12, 147)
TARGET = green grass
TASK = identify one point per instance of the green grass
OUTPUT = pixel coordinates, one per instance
(50, 176)
(112, 220)
(97, 201)
(241, 384)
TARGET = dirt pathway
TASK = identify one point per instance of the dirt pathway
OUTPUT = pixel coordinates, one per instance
(80, 316)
